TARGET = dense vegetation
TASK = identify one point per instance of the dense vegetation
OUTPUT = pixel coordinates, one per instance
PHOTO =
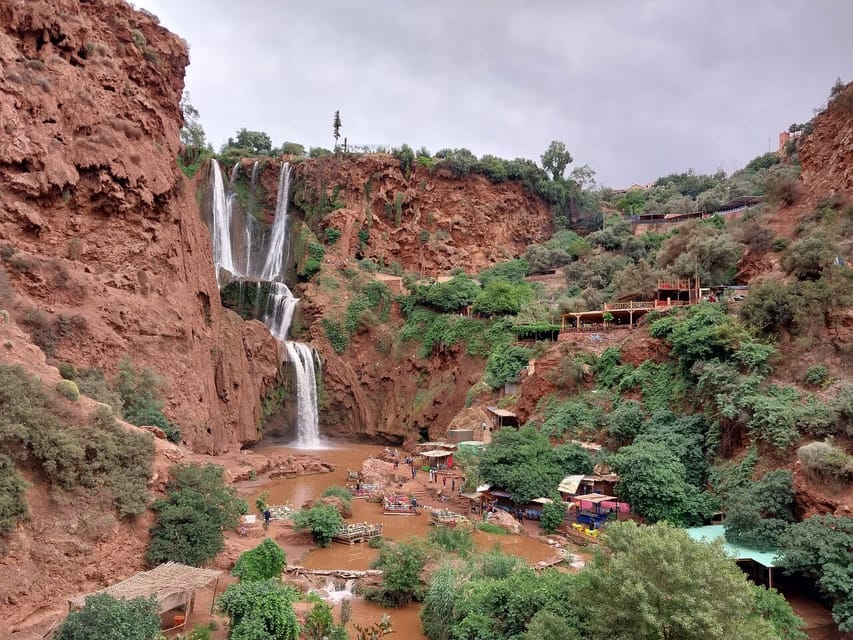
(39, 429)
(191, 518)
(103, 616)
(627, 592)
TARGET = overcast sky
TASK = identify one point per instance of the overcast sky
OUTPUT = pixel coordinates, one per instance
(635, 89)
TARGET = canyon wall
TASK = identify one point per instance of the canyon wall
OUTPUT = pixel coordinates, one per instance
(105, 255)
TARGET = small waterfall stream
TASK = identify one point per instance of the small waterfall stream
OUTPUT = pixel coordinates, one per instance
(244, 251)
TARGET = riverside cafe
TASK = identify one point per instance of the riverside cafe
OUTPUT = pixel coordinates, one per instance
(439, 455)
(592, 508)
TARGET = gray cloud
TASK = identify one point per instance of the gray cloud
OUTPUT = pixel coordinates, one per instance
(636, 89)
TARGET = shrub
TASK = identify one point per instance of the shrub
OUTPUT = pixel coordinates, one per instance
(189, 521)
(93, 383)
(66, 370)
(42, 330)
(553, 514)
(323, 521)
(104, 616)
(99, 453)
(339, 492)
(67, 389)
(758, 514)
(783, 189)
(332, 235)
(262, 609)
(824, 461)
(816, 375)
(401, 564)
(452, 540)
(505, 364)
(265, 561)
(511, 270)
(336, 335)
(406, 156)
(13, 498)
(140, 394)
(779, 244)
(500, 296)
(319, 622)
(807, 258)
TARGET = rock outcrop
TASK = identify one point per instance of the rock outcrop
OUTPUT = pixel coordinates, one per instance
(105, 251)
(826, 154)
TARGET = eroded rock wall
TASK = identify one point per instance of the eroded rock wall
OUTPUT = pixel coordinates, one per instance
(102, 231)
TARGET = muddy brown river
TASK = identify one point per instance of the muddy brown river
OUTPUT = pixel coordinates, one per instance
(406, 621)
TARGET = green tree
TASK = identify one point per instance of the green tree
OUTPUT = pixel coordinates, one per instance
(819, 547)
(105, 618)
(758, 514)
(573, 459)
(625, 421)
(553, 514)
(190, 519)
(504, 608)
(522, 462)
(549, 626)
(655, 582)
(336, 127)
(401, 564)
(323, 521)
(653, 480)
(319, 621)
(192, 133)
(265, 561)
(505, 364)
(772, 606)
(256, 142)
(292, 149)
(502, 297)
(556, 158)
(260, 610)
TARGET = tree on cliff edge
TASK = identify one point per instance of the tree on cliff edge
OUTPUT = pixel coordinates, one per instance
(336, 127)
(556, 158)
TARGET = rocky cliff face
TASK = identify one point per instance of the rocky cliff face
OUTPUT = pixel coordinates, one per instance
(104, 250)
(429, 223)
(826, 155)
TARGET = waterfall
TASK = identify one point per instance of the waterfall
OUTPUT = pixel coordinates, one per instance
(301, 356)
(267, 267)
(275, 253)
(280, 308)
(336, 595)
(223, 258)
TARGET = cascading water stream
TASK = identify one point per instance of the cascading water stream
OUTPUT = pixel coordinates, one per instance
(233, 247)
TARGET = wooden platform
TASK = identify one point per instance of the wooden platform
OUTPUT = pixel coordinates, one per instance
(360, 532)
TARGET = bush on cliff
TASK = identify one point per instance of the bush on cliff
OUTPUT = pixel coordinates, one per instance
(13, 495)
(140, 394)
(190, 519)
(95, 454)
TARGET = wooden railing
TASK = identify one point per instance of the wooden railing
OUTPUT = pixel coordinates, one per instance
(630, 305)
(674, 284)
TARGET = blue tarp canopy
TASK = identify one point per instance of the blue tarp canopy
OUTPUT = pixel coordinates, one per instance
(735, 551)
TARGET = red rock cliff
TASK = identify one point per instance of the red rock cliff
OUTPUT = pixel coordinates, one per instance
(826, 155)
(102, 232)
